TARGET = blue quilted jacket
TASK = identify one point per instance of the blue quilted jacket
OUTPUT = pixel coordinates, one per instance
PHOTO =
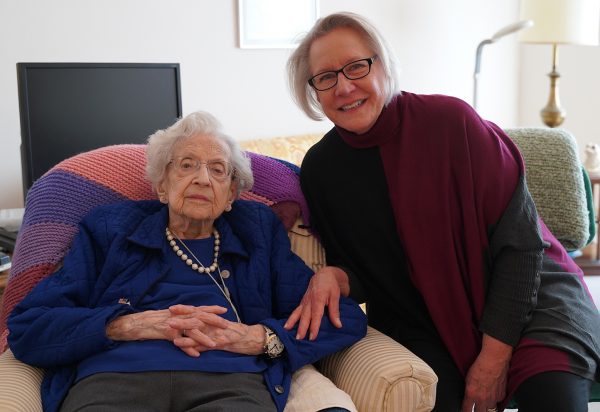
(120, 253)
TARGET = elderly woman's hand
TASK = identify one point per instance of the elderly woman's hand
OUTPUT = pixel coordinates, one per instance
(157, 324)
(224, 335)
(150, 324)
(324, 289)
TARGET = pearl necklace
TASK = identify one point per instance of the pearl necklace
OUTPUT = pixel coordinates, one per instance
(195, 266)
(199, 267)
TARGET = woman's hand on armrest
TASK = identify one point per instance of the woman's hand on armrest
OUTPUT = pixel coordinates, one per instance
(325, 288)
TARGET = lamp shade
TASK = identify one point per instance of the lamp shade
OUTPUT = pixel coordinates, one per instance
(561, 21)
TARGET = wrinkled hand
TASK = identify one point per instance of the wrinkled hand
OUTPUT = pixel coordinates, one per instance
(204, 333)
(486, 379)
(150, 324)
(324, 289)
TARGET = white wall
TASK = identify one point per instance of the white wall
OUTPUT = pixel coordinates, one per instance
(435, 41)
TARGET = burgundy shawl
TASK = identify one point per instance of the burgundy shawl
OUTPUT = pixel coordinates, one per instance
(450, 176)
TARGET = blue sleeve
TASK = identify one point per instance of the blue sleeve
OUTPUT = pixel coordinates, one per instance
(289, 282)
(54, 325)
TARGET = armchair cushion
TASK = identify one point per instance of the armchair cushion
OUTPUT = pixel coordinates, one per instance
(556, 182)
(290, 148)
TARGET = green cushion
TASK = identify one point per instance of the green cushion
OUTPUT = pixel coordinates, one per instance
(556, 182)
(590, 204)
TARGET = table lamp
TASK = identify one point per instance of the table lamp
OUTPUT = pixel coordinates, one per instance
(511, 28)
(559, 22)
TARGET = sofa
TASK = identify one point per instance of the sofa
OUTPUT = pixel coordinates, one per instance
(378, 373)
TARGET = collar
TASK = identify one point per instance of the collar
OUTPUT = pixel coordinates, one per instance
(385, 128)
(150, 233)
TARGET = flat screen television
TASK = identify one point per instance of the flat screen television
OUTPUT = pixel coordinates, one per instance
(69, 108)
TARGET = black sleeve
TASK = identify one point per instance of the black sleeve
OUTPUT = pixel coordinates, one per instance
(517, 248)
(313, 176)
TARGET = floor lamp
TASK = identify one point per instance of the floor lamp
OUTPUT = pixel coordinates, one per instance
(559, 22)
(511, 28)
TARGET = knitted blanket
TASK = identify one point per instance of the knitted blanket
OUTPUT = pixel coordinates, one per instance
(58, 200)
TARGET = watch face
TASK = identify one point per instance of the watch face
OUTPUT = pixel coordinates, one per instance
(274, 346)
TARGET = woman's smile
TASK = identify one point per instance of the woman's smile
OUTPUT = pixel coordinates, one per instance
(352, 106)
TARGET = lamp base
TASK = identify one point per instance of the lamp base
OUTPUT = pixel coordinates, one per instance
(553, 115)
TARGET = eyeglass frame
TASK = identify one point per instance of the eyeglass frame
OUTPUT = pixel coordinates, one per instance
(230, 168)
(369, 60)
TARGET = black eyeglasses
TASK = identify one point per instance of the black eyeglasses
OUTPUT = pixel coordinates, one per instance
(352, 71)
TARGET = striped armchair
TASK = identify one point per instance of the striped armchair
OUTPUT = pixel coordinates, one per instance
(378, 373)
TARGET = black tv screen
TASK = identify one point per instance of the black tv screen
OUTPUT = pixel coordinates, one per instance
(69, 108)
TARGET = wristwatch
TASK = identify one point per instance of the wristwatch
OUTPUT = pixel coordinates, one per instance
(273, 345)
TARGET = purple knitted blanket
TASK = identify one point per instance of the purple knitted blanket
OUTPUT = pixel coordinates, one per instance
(58, 200)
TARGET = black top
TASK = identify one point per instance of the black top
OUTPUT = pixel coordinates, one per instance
(347, 188)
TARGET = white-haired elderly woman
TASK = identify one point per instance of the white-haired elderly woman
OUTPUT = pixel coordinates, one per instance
(177, 304)
(424, 213)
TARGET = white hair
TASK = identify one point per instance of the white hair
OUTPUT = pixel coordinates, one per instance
(159, 150)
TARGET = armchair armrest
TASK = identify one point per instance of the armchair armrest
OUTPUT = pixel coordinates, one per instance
(379, 374)
(19, 385)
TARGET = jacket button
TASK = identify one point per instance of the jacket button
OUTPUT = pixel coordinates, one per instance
(279, 389)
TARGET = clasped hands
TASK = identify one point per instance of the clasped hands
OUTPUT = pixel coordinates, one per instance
(193, 329)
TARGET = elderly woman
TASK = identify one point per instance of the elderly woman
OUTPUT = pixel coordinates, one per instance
(444, 243)
(176, 304)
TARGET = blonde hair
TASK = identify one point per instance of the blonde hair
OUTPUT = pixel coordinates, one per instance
(159, 150)
(298, 68)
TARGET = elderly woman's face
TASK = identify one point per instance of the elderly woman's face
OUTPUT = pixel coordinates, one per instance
(353, 105)
(202, 193)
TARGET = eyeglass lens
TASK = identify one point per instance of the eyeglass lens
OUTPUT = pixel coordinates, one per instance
(352, 71)
(217, 169)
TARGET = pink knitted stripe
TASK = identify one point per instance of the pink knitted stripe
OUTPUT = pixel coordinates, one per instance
(258, 198)
(119, 167)
(15, 291)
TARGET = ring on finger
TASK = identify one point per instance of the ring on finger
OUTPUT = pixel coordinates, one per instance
(184, 334)
(492, 410)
